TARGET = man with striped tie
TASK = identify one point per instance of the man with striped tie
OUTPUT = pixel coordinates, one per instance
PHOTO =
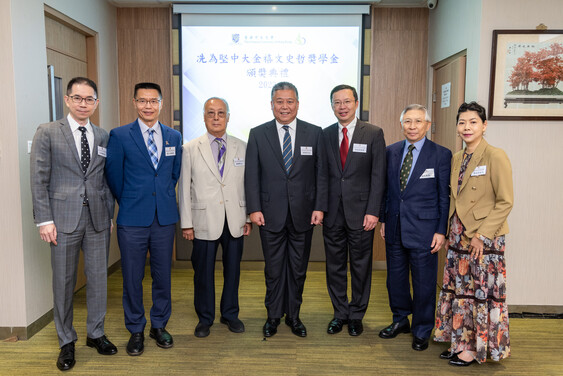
(213, 212)
(285, 184)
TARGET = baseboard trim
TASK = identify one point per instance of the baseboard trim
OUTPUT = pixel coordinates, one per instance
(536, 311)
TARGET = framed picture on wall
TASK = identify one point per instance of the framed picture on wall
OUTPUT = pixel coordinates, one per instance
(526, 75)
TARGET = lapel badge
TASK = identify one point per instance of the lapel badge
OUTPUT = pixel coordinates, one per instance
(166, 142)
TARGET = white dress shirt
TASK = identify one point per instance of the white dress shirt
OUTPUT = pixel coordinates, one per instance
(281, 134)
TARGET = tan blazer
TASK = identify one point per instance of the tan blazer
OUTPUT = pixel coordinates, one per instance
(484, 200)
(204, 197)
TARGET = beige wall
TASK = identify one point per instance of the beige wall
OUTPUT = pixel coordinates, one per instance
(534, 255)
(26, 296)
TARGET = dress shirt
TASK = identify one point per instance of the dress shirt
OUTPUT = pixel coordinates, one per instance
(350, 128)
(78, 134)
(157, 136)
(215, 146)
(415, 152)
(281, 134)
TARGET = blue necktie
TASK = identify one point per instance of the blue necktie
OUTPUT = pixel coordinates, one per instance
(152, 148)
(286, 152)
(221, 155)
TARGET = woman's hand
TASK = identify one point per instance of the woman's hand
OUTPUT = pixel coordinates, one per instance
(476, 247)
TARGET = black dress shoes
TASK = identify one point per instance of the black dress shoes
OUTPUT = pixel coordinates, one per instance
(419, 344)
(136, 344)
(394, 329)
(66, 357)
(455, 361)
(355, 327)
(446, 354)
(270, 327)
(335, 326)
(102, 344)
(162, 337)
(201, 330)
(296, 326)
(235, 325)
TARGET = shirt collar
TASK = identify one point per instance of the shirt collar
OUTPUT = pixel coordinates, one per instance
(212, 138)
(74, 124)
(350, 126)
(145, 128)
(417, 145)
(291, 125)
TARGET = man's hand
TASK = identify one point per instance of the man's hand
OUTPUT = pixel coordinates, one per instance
(382, 230)
(370, 221)
(188, 233)
(257, 218)
(317, 218)
(247, 229)
(437, 242)
(48, 233)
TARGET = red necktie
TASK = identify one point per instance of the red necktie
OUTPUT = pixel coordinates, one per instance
(344, 146)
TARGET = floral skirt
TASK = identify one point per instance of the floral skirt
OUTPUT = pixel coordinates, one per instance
(472, 313)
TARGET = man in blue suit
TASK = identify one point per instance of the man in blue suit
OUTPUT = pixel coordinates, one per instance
(142, 168)
(414, 225)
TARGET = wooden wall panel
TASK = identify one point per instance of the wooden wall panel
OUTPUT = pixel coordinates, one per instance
(398, 73)
(144, 54)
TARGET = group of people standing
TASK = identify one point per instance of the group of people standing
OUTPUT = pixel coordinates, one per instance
(288, 178)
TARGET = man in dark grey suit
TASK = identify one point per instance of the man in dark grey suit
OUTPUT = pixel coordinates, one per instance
(356, 183)
(73, 207)
(285, 186)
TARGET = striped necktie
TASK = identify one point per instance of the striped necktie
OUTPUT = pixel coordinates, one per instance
(221, 155)
(286, 152)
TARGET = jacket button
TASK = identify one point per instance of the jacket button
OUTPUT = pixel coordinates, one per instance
(85, 179)
(474, 188)
(155, 175)
(154, 193)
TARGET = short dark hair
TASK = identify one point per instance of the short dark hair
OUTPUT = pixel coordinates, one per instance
(344, 87)
(79, 81)
(472, 106)
(147, 85)
(284, 85)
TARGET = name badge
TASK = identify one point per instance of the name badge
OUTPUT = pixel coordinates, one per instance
(170, 151)
(102, 151)
(428, 174)
(239, 162)
(306, 150)
(479, 171)
(360, 148)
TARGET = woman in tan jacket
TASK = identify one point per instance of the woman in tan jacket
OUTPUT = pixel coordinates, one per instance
(472, 313)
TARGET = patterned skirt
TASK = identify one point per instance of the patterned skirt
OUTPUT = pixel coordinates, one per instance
(472, 313)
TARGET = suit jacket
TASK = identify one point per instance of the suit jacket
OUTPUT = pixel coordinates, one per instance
(140, 190)
(422, 208)
(273, 192)
(361, 184)
(485, 200)
(205, 197)
(58, 183)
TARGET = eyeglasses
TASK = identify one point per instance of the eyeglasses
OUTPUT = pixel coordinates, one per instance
(212, 114)
(143, 102)
(78, 99)
(347, 103)
(408, 122)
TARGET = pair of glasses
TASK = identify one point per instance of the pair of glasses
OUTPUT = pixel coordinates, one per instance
(347, 103)
(152, 102)
(211, 114)
(78, 99)
(408, 122)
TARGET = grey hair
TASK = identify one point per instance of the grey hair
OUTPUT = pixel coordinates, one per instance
(284, 85)
(416, 107)
(220, 99)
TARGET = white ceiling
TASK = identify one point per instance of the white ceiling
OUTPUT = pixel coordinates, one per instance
(166, 3)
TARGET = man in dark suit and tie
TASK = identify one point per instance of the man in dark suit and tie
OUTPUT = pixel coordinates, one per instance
(73, 207)
(356, 182)
(415, 223)
(142, 167)
(285, 185)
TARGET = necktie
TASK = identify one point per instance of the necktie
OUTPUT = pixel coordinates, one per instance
(286, 152)
(344, 146)
(152, 148)
(85, 150)
(406, 168)
(221, 155)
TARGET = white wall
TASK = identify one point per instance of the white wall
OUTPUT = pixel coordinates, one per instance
(31, 108)
(534, 255)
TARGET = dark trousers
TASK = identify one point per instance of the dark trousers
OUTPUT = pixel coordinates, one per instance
(423, 266)
(286, 255)
(134, 242)
(203, 261)
(342, 242)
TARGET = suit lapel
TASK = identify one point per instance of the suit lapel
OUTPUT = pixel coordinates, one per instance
(137, 137)
(418, 168)
(229, 156)
(300, 137)
(67, 133)
(357, 138)
(456, 166)
(396, 159)
(474, 162)
(97, 140)
(271, 132)
(205, 149)
(334, 147)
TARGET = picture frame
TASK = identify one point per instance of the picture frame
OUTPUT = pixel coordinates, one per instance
(526, 75)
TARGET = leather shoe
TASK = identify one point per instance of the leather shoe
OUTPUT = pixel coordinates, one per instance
(335, 326)
(394, 329)
(296, 326)
(419, 344)
(355, 327)
(162, 337)
(455, 361)
(102, 344)
(136, 344)
(235, 325)
(446, 354)
(201, 330)
(66, 357)
(270, 327)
